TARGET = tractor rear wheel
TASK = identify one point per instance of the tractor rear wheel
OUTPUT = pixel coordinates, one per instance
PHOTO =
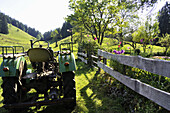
(12, 93)
(10, 87)
(69, 88)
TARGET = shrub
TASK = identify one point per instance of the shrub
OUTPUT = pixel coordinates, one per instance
(137, 51)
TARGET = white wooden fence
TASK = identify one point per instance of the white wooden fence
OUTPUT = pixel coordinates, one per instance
(160, 67)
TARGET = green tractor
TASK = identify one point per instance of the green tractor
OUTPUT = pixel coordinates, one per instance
(47, 81)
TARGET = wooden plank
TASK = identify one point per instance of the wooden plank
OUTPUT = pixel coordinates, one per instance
(95, 62)
(94, 56)
(82, 59)
(156, 66)
(160, 97)
(82, 54)
(95, 66)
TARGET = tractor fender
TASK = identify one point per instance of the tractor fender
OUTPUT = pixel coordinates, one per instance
(14, 65)
(20, 65)
(70, 60)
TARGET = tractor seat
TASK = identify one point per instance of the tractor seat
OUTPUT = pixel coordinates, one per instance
(39, 55)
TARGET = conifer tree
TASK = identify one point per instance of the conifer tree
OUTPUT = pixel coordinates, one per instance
(3, 24)
(164, 19)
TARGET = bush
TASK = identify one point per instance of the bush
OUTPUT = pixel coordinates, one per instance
(88, 46)
(137, 51)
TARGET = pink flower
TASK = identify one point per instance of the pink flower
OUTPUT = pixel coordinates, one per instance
(141, 40)
(95, 38)
(118, 46)
(87, 35)
(128, 47)
(122, 51)
(114, 51)
(119, 52)
(120, 42)
(151, 40)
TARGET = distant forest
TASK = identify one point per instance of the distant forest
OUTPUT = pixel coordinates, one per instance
(58, 33)
(54, 35)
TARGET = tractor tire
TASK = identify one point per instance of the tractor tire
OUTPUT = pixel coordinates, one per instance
(9, 87)
(69, 88)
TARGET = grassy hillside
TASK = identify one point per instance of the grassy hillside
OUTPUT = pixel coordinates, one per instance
(16, 37)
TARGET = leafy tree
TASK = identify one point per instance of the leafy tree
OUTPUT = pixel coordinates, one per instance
(39, 35)
(96, 15)
(146, 33)
(56, 35)
(165, 41)
(164, 19)
(124, 19)
(93, 15)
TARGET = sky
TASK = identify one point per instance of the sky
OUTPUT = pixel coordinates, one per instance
(43, 15)
(153, 10)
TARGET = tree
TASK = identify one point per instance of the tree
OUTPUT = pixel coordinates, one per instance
(56, 35)
(47, 35)
(39, 35)
(96, 15)
(164, 18)
(3, 24)
(64, 30)
(146, 33)
(165, 41)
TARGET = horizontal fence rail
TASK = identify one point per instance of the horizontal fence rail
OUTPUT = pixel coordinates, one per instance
(160, 97)
(81, 57)
(156, 66)
(82, 54)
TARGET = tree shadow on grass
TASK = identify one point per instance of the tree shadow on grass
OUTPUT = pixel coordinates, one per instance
(82, 68)
(43, 109)
(96, 100)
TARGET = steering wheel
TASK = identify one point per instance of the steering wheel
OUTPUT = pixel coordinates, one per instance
(40, 45)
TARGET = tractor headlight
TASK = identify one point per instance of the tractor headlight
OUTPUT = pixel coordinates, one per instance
(5, 69)
(66, 63)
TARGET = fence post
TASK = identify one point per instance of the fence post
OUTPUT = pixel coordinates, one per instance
(105, 61)
(99, 59)
(89, 58)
